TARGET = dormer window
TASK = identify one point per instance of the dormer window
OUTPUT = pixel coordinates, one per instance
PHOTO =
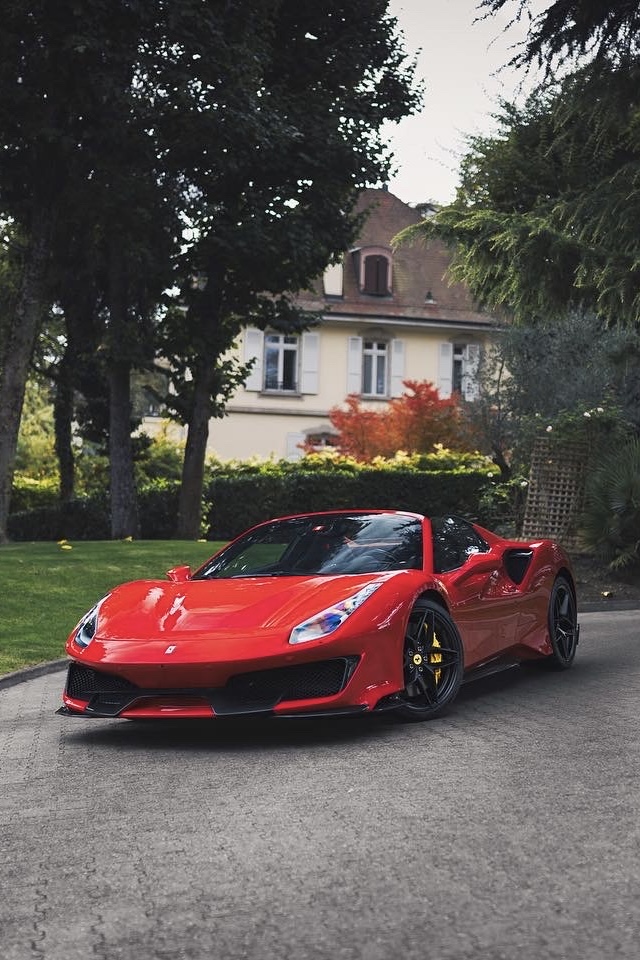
(332, 280)
(373, 270)
(376, 275)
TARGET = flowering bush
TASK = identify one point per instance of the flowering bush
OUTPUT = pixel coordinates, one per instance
(414, 423)
(593, 425)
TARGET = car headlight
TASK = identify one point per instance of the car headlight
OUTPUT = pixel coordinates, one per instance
(328, 620)
(86, 629)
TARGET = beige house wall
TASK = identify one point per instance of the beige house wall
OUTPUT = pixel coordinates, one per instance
(430, 328)
(265, 425)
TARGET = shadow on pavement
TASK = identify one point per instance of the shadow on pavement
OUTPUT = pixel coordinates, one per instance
(249, 734)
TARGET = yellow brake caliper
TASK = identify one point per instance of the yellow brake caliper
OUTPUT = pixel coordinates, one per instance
(436, 658)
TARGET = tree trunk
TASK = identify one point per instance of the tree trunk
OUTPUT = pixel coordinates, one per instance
(190, 502)
(21, 338)
(78, 297)
(191, 487)
(62, 420)
(124, 507)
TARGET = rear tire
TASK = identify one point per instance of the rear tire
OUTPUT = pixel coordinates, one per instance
(563, 625)
(433, 662)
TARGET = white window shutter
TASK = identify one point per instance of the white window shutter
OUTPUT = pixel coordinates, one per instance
(310, 363)
(397, 368)
(294, 443)
(445, 369)
(253, 350)
(354, 365)
(470, 388)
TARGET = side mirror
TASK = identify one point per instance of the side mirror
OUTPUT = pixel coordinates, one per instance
(179, 574)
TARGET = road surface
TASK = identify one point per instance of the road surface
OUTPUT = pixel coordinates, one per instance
(508, 829)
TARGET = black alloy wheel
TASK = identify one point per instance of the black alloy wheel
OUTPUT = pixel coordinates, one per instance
(433, 662)
(563, 625)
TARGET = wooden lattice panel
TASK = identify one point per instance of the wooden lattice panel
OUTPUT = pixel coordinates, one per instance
(556, 491)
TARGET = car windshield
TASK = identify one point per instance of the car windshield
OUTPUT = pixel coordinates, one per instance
(329, 544)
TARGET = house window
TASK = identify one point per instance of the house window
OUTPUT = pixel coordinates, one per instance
(458, 370)
(374, 368)
(376, 275)
(280, 362)
(373, 271)
(332, 280)
(322, 440)
(458, 364)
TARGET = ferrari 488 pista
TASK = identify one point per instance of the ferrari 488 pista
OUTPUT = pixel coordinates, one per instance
(325, 614)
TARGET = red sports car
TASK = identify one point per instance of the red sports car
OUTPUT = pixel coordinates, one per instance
(329, 614)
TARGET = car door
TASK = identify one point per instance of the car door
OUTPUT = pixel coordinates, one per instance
(484, 600)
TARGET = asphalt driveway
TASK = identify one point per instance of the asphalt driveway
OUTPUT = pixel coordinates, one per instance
(508, 829)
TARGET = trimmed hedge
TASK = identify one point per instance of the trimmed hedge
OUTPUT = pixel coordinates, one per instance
(158, 510)
(86, 519)
(29, 493)
(238, 498)
(238, 501)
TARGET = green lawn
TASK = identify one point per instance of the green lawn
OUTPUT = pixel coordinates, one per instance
(46, 587)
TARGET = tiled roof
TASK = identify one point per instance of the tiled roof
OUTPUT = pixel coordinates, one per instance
(418, 271)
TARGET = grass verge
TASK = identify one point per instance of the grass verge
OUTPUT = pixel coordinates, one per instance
(46, 587)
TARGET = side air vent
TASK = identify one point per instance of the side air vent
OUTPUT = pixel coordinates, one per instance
(516, 563)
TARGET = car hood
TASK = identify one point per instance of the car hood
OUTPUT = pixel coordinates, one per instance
(150, 609)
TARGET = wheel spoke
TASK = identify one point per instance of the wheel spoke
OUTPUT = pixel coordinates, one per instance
(561, 640)
(425, 689)
(563, 604)
(449, 655)
(415, 630)
(426, 629)
(565, 635)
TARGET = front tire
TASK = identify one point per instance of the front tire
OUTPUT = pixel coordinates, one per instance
(433, 662)
(563, 625)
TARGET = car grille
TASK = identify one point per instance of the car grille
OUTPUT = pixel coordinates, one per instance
(83, 681)
(256, 691)
(301, 682)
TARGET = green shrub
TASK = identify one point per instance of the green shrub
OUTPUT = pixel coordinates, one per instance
(158, 509)
(91, 474)
(29, 493)
(611, 516)
(85, 519)
(157, 458)
(502, 505)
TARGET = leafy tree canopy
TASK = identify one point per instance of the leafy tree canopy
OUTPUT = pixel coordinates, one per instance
(572, 376)
(545, 218)
(567, 29)
(253, 123)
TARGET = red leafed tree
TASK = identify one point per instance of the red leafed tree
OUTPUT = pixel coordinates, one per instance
(413, 422)
(361, 430)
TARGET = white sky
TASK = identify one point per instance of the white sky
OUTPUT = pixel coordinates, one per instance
(459, 61)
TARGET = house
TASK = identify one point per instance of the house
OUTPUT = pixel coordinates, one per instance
(388, 315)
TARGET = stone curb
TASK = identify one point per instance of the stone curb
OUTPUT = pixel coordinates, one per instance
(30, 673)
(54, 666)
(601, 606)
